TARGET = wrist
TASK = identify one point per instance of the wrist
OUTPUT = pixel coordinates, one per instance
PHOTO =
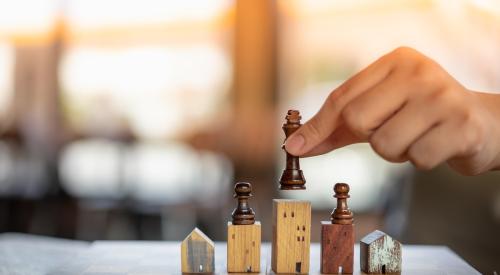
(491, 103)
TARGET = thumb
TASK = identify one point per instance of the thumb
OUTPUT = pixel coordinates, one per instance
(315, 131)
(341, 137)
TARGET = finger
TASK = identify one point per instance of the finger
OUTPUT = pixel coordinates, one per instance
(369, 111)
(436, 146)
(341, 137)
(323, 124)
(395, 136)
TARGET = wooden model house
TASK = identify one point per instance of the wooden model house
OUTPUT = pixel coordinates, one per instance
(197, 253)
(380, 254)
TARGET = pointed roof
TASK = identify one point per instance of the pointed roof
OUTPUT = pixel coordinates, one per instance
(375, 235)
(197, 234)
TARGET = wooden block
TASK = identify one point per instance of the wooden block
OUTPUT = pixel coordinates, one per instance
(380, 254)
(243, 247)
(197, 253)
(291, 236)
(337, 248)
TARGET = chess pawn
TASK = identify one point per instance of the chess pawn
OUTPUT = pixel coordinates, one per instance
(337, 236)
(292, 177)
(341, 214)
(243, 214)
(243, 234)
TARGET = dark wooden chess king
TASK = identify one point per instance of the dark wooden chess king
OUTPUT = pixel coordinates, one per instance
(243, 214)
(292, 177)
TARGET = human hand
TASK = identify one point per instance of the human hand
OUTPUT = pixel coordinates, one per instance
(408, 108)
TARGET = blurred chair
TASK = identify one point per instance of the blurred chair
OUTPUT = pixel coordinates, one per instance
(22, 175)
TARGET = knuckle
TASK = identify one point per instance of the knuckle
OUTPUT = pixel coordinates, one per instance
(424, 74)
(465, 167)
(431, 79)
(421, 163)
(404, 56)
(444, 99)
(440, 96)
(419, 159)
(355, 120)
(332, 100)
(473, 135)
(403, 52)
(381, 145)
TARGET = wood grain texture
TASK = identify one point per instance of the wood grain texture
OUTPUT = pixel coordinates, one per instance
(291, 236)
(337, 248)
(243, 247)
(197, 253)
(380, 254)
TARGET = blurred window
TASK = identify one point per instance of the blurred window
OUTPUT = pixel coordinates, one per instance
(324, 42)
(27, 18)
(6, 75)
(146, 66)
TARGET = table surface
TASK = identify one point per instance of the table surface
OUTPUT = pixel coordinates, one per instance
(141, 258)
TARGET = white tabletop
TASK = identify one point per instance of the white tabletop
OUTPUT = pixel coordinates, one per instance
(141, 258)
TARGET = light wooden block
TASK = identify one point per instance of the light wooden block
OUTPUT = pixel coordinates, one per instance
(243, 247)
(197, 253)
(291, 236)
(337, 248)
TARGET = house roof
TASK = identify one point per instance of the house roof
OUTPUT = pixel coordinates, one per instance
(197, 234)
(375, 235)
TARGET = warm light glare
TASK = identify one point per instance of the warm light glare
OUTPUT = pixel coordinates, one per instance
(492, 6)
(85, 14)
(28, 16)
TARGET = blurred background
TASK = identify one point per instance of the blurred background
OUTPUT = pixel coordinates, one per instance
(128, 119)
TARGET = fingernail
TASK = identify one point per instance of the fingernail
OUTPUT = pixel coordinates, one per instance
(294, 143)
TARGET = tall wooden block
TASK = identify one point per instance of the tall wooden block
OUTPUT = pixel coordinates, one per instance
(291, 236)
(380, 254)
(337, 248)
(197, 253)
(243, 247)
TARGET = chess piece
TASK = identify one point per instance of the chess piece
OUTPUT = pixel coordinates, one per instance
(197, 253)
(341, 214)
(292, 177)
(380, 254)
(243, 234)
(243, 214)
(337, 236)
(291, 236)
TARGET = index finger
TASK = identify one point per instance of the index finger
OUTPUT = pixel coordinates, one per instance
(328, 118)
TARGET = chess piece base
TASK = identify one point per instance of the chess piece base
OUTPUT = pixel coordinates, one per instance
(292, 180)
